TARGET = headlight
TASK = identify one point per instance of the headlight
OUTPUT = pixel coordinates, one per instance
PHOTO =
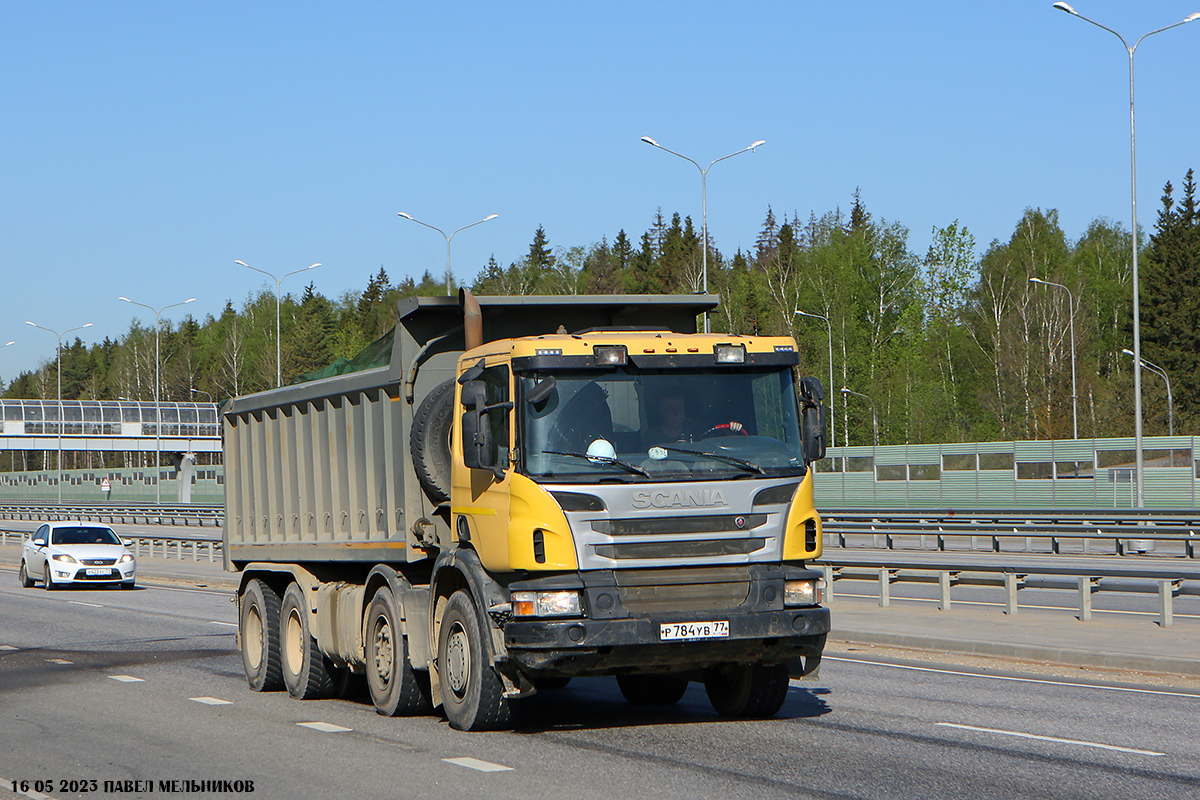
(125, 559)
(730, 353)
(563, 603)
(63, 557)
(801, 593)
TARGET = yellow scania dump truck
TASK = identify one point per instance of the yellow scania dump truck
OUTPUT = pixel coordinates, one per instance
(515, 491)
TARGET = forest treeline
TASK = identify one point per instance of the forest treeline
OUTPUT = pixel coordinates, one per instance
(949, 345)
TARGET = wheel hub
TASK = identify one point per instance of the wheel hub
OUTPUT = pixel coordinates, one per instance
(458, 660)
(384, 653)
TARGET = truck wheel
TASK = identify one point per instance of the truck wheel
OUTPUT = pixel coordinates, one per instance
(429, 441)
(472, 692)
(748, 691)
(258, 628)
(395, 688)
(652, 690)
(306, 673)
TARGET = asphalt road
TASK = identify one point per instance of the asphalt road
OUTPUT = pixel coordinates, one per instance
(120, 686)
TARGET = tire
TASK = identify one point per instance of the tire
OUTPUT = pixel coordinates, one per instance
(258, 632)
(395, 688)
(429, 441)
(472, 693)
(47, 582)
(23, 575)
(306, 672)
(652, 690)
(747, 691)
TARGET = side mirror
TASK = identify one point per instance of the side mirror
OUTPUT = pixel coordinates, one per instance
(476, 430)
(538, 394)
(39, 542)
(813, 433)
(127, 542)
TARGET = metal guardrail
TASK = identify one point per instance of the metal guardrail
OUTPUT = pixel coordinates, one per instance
(888, 567)
(1117, 532)
(116, 514)
(178, 548)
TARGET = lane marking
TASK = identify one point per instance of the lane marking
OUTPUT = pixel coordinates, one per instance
(30, 793)
(1011, 678)
(1050, 739)
(211, 701)
(59, 661)
(126, 679)
(7, 647)
(81, 603)
(230, 624)
(476, 764)
(326, 727)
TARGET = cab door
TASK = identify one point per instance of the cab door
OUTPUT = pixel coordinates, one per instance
(481, 498)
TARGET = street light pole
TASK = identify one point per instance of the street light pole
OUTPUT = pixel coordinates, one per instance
(1137, 334)
(1155, 368)
(58, 353)
(704, 204)
(1074, 393)
(874, 416)
(157, 406)
(278, 282)
(829, 388)
(449, 277)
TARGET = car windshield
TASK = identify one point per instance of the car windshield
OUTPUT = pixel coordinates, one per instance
(83, 535)
(635, 424)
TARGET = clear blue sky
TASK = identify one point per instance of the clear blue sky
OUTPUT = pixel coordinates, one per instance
(147, 145)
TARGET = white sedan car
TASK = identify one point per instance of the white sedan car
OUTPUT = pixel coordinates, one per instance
(77, 553)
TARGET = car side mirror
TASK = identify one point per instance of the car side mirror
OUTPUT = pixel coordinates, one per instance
(39, 542)
(127, 542)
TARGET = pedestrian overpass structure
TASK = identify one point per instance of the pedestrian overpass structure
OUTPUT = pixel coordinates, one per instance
(109, 426)
(187, 437)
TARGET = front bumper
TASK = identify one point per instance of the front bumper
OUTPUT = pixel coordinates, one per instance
(604, 646)
(78, 573)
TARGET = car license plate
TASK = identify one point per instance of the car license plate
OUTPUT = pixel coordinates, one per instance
(97, 571)
(683, 631)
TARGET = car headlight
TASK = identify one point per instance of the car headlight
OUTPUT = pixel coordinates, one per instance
(564, 603)
(801, 593)
(64, 558)
(125, 559)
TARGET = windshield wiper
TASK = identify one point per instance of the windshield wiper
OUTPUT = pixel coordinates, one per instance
(734, 460)
(625, 465)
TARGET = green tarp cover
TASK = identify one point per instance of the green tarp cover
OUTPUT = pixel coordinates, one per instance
(377, 354)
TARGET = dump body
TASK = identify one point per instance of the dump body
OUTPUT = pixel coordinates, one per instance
(521, 490)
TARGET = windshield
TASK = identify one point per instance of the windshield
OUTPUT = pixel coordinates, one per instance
(83, 535)
(652, 425)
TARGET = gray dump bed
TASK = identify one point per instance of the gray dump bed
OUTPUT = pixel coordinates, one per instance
(320, 471)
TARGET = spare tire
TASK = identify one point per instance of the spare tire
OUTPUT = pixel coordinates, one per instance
(429, 441)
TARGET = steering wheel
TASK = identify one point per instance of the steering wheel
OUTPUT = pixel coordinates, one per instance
(726, 428)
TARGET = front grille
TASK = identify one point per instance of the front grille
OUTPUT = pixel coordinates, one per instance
(656, 591)
(677, 549)
(657, 526)
(98, 562)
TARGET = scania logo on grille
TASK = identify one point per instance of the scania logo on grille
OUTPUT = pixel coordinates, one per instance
(740, 522)
(680, 498)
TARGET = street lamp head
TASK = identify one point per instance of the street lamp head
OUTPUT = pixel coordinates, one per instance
(490, 216)
(1127, 351)
(1036, 280)
(86, 325)
(189, 300)
(648, 140)
(759, 143)
(1065, 7)
(241, 263)
(34, 324)
(313, 266)
(1192, 17)
(405, 215)
(6, 345)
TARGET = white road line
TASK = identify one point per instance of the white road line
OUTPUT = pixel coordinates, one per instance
(59, 661)
(81, 603)
(211, 701)
(1051, 739)
(1010, 678)
(230, 624)
(4, 782)
(476, 764)
(324, 726)
(7, 647)
(126, 679)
